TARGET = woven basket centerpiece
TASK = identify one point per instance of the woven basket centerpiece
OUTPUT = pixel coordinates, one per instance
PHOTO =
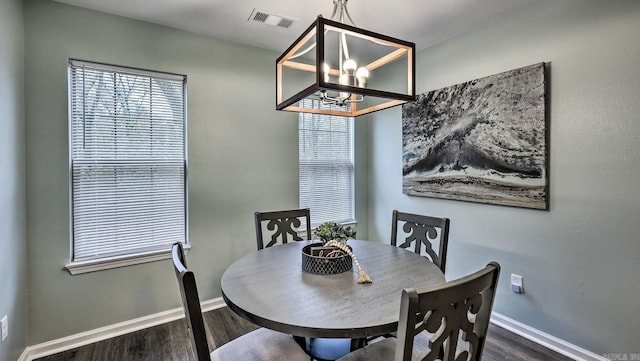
(316, 258)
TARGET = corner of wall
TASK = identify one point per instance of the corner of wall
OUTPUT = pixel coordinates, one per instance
(13, 261)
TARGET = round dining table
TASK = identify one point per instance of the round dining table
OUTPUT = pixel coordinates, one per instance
(270, 289)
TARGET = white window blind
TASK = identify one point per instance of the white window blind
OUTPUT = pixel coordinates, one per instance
(326, 166)
(128, 160)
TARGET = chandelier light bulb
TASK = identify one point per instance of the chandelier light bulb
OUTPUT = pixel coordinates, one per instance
(349, 65)
(325, 70)
(362, 74)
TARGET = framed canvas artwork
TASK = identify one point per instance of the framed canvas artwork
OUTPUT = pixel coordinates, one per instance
(482, 141)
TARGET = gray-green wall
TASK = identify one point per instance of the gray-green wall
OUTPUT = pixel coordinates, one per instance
(13, 245)
(242, 158)
(580, 259)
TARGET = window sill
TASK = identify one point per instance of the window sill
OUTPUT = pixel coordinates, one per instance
(76, 268)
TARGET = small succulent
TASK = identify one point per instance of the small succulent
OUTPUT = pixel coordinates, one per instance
(328, 231)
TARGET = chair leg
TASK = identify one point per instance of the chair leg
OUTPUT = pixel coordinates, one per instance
(357, 343)
(300, 341)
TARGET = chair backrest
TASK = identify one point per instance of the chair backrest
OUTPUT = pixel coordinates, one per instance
(282, 224)
(191, 303)
(459, 307)
(422, 231)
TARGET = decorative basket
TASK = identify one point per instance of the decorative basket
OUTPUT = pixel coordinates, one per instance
(314, 260)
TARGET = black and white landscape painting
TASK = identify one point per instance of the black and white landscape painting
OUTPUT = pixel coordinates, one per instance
(481, 141)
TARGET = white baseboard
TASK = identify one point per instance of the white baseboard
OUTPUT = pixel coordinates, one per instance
(25, 355)
(544, 339)
(81, 339)
(118, 329)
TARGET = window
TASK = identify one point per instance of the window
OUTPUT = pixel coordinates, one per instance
(326, 166)
(127, 165)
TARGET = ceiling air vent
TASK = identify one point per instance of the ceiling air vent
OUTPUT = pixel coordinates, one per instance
(270, 19)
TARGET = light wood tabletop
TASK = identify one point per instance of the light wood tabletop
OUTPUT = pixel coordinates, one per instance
(270, 289)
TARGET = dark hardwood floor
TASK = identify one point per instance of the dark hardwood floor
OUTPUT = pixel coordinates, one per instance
(170, 342)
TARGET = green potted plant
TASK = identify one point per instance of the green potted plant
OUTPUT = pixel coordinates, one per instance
(330, 231)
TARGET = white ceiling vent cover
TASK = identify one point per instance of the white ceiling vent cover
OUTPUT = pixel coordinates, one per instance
(264, 17)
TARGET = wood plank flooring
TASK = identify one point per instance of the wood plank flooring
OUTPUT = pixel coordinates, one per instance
(170, 342)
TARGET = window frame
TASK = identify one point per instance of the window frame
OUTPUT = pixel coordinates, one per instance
(138, 257)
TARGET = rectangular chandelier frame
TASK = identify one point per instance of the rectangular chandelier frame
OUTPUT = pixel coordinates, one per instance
(399, 49)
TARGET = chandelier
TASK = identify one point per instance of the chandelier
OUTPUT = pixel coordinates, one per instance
(339, 69)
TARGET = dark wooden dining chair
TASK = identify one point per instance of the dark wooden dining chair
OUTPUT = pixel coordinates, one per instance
(259, 345)
(447, 323)
(283, 226)
(421, 232)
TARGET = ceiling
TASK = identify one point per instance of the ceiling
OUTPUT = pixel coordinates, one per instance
(424, 22)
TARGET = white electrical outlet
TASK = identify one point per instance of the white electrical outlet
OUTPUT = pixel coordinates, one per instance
(5, 327)
(516, 283)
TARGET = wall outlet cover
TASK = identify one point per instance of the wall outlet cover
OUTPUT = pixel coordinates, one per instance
(516, 283)
(516, 279)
